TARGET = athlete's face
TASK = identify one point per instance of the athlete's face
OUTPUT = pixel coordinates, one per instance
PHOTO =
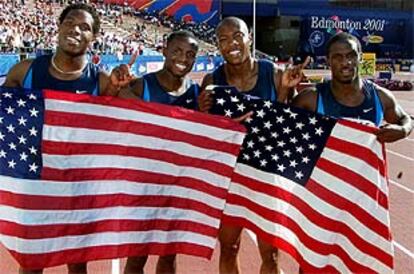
(344, 59)
(234, 42)
(180, 55)
(76, 33)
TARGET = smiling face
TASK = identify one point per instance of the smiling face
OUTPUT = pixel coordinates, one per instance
(180, 55)
(76, 32)
(344, 58)
(234, 41)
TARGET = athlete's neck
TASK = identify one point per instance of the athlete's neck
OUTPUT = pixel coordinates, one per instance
(169, 81)
(240, 70)
(67, 64)
(341, 89)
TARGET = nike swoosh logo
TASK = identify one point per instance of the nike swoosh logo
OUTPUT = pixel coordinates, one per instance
(367, 110)
(81, 91)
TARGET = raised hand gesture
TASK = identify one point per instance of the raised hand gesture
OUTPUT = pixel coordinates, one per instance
(121, 75)
(292, 75)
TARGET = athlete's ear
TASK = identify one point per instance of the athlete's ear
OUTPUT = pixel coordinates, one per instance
(250, 38)
(359, 57)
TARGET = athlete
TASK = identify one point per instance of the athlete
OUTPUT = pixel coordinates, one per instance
(69, 70)
(168, 86)
(259, 78)
(347, 95)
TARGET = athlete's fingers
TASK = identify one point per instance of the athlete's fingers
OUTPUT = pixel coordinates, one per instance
(124, 72)
(115, 76)
(133, 58)
(243, 117)
(205, 101)
(305, 63)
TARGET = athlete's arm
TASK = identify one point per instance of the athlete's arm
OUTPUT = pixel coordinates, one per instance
(287, 80)
(284, 94)
(306, 99)
(16, 74)
(120, 80)
(399, 124)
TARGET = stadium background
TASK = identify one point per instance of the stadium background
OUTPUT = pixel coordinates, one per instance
(286, 32)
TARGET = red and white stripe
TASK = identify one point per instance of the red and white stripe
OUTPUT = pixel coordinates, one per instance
(339, 222)
(120, 178)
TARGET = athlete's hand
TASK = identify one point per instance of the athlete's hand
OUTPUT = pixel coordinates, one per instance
(292, 76)
(390, 133)
(205, 100)
(121, 75)
(243, 117)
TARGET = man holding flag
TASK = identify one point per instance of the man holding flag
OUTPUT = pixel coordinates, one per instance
(69, 69)
(169, 86)
(259, 78)
(349, 96)
(314, 186)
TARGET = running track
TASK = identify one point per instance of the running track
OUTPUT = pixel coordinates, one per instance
(401, 173)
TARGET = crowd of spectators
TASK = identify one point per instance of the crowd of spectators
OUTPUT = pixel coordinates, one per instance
(28, 28)
(203, 31)
(23, 28)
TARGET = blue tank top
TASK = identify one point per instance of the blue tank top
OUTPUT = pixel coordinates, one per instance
(265, 85)
(370, 109)
(154, 92)
(38, 77)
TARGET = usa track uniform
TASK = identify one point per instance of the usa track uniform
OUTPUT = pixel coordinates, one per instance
(370, 109)
(38, 77)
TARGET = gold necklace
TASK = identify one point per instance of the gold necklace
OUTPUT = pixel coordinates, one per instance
(52, 61)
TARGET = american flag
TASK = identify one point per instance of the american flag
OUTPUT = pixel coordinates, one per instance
(86, 178)
(310, 185)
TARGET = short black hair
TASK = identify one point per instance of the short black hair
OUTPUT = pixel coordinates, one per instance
(89, 9)
(232, 20)
(342, 37)
(181, 34)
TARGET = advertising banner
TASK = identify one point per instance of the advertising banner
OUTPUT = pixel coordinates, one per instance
(384, 37)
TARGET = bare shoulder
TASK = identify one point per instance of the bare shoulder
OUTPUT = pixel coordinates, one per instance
(393, 112)
(386, 97)
(306, 99)
(16, 74)
(207, 80)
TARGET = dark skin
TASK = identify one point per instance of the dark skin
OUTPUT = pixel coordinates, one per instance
(180, 56)
(241, 68)
(242, 71)
(74, 37)
(346, 87)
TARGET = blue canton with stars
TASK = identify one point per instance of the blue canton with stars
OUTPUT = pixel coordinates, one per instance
(21, 122)
(281, 139)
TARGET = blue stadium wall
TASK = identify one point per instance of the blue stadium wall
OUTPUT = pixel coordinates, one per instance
(143, 64)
